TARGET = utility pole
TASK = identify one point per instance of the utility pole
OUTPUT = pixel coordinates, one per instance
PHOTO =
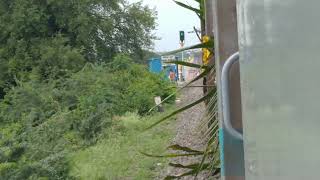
(208, 55)
(226, 43)
(180, 70)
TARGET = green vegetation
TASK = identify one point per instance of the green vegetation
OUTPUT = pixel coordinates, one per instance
(50, 39)
(118, 157)
(44, 122)
(67, 69)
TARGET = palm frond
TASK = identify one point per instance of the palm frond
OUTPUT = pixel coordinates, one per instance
(190, 166)
(182, 109)
(197, 11)
(208, 44)
(177, 147)
(172, 155)
(189, 173)
(183, 63)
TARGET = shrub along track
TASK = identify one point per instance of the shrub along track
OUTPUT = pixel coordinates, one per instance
(188, 132)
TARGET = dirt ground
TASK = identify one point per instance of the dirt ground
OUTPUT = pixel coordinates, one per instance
(188, 132)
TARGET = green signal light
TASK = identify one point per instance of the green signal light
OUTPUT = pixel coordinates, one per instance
(182, 36)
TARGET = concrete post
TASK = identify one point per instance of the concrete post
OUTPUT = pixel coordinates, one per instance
(226, 43)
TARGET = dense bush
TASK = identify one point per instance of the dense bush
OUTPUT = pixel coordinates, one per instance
(61, 81)
(43, 121)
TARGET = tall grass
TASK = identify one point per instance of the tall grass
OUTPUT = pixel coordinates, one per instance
(118, 157)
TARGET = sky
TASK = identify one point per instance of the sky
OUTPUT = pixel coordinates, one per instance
(171, 19)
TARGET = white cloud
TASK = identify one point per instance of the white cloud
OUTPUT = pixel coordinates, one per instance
(171, 19)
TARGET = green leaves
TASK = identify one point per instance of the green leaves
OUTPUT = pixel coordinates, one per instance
(49, 39)
(43, 120)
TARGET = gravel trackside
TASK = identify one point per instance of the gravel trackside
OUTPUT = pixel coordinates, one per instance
(188, 132)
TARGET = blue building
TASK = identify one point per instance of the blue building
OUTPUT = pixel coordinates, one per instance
(156, 66)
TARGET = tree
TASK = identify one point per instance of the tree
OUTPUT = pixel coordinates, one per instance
(51, 38)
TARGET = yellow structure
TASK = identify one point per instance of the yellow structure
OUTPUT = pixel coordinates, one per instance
(206, 52)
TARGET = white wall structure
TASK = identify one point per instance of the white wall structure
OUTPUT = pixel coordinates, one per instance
(280, 67)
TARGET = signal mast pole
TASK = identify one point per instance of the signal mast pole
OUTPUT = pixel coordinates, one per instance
(180, 70)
